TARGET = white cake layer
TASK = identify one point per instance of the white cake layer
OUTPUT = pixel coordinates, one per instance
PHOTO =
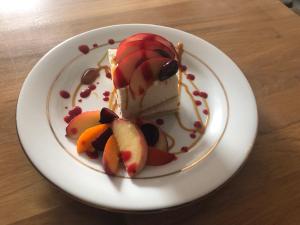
(160, 92)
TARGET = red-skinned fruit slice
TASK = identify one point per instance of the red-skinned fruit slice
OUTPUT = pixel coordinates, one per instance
(132, 46)
(81, 122)
(150, 36)
(107, 115)
(132, 144)
(128, 64)
(157, 157)
(100, 142)
(110, 157)
(144, 76)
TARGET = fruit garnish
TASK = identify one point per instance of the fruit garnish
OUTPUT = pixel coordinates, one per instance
(157, 157)
(110, 157)
(100, 142)
(144, 76)
(151, 133)
(167, 70)
(81, 122)
(107, 115)
(85, 140)
(130, 138)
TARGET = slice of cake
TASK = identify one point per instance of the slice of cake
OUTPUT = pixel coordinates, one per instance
(144, 72)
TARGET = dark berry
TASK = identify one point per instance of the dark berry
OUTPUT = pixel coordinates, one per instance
(107, 115)
(151, 133)
(169, 69)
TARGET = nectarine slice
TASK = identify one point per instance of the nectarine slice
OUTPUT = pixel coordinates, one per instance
(85, 140)
(81, 122)
(110, 157)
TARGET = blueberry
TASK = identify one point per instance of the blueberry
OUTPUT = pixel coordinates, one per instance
(151, 133)
(169, 69)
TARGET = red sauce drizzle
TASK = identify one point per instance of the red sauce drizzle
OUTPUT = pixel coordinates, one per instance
(111, 41)
(198, 102)
(106, 93)
(159, 121)
(106, 99)
(125, 155)
(79, 100)
(64, 94)
(95, 45)
(108, 75)
(193, 135)
(196, 93)
(84, 49)
(92, 155)
(203, 94)
(205, 111)
(72, 113)
(85, 93)
(184, 149)
(190, 76)
(197, 124)
(92, 87)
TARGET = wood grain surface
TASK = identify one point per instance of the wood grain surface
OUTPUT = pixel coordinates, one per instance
(261, 36)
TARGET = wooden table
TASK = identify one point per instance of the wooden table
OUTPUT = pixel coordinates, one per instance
(262, 37)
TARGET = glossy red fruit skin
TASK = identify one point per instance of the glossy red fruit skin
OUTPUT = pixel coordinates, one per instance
(151, 36)
(151, 133)
(107, 115)
(125, 48)
(157, 157)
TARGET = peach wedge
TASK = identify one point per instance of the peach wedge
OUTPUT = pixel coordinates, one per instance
(110, 157)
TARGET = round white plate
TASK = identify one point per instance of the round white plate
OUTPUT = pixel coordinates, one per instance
(214, 158)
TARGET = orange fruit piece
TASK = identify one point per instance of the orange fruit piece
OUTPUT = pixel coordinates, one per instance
(85, 140)
(110, 158)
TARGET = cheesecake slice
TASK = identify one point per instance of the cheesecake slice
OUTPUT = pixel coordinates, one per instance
(144, 73)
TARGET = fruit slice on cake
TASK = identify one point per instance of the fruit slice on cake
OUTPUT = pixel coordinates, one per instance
(144, 71)
(132, 144)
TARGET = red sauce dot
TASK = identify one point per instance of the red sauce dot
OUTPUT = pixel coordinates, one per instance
(92, 87)
(79, 100)
(66, 107)
(74, 130)
(160, 121)
(205, 111)
(197, 124)
(108, 75)
(97, 83)
(198, 102)
(111, 41)
(85, 93)
(106, 99)
(92, 155)
(95, 45)
(125, 155)
(67, 119)
(193, 135)
(190, 76)
(75, 111)
(106, 93)
(131, 169)
(196, 93)
(84, 49)
(203, 94)
(64, 94)
(184, 149)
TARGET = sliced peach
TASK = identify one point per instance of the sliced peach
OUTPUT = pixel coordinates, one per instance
(110, 157)
(150, 36)
(132, 46)
(132, 144)
(157, 157)
(85, 140)
(81, 122)
(129, 63)
(144, 76)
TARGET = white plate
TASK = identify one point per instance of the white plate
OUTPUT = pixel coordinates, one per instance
(220, 151)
